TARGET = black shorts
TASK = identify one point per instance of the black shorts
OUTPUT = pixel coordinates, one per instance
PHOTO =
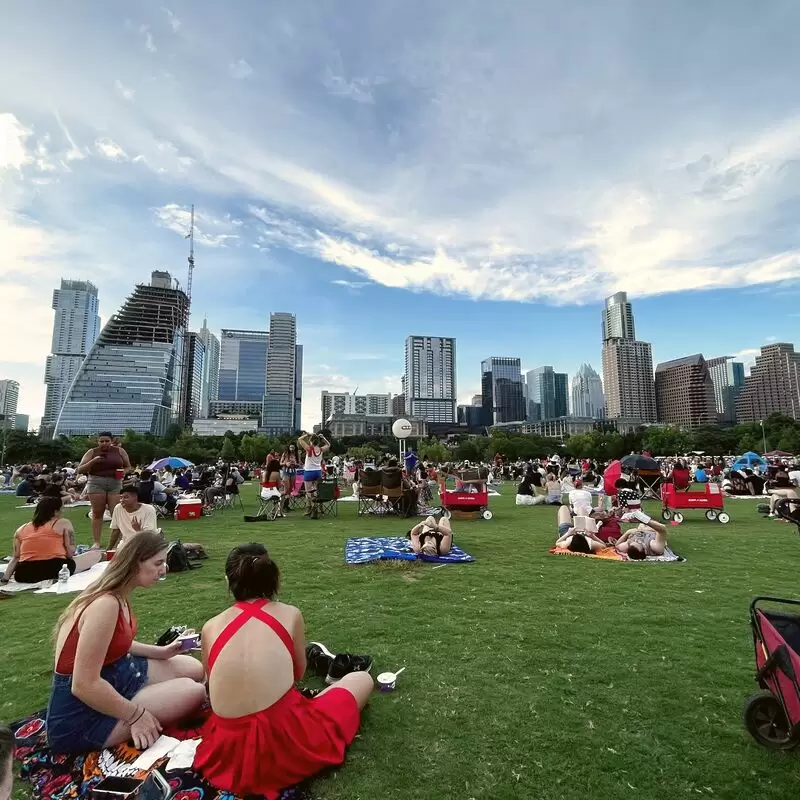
(45, 570)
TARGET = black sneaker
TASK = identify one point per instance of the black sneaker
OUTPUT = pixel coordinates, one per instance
(345, 663)
(319, 658)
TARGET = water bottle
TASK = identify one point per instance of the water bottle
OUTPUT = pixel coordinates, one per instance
(63, 577)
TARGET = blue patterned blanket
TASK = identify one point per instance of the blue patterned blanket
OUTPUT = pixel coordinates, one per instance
(363, 550)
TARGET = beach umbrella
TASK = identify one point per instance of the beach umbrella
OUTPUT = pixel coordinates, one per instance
(610, 477)
(636, 461)
(170, 461)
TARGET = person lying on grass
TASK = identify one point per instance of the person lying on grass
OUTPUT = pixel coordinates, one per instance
(264, 735)
(578, 535)
(107, 687)
(648, 538)
(432, 537)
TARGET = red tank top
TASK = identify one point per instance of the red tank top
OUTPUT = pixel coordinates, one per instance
(107, 468)
(120, 644)
(248, 611)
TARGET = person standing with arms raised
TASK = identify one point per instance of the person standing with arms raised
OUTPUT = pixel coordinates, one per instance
(315, 447)
(105, 465)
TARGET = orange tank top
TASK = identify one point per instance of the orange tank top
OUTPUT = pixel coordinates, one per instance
(40, 544)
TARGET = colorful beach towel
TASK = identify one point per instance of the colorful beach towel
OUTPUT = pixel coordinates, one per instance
(68, 777)
(610, 554)
(363, 550)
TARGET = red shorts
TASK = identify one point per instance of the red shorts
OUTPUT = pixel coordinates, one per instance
(273, 749)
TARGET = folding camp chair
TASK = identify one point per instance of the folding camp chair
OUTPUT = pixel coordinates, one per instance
(650, 484)
(297, 497)
(370, 493)
(232, 494)
(392, 486)
(270, 501)
(327, 499)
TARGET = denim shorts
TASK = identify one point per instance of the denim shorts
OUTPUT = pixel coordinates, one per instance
(312, 475)
(99, 484)
(288, 472)
(564, 527)
(74, 727)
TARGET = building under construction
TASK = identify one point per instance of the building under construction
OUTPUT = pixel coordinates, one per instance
(133, 376)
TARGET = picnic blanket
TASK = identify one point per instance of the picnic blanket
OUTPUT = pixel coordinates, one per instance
(76, 504)
(68, 777)
(610, 554)
(76, 583)
(365, 549)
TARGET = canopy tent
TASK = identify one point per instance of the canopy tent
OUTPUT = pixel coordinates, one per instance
(778, 454)
(170, 461)
(749, 460)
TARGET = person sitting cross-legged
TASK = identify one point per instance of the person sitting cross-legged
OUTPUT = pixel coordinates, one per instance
(262, 740)
(130, 517)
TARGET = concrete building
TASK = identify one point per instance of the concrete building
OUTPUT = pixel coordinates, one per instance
(341, 425)
(773, 385)
(399, 405)
(546, 393)
(627, 364)
(728, 378)
(685, 393)
(587, 394)
(76, 326)
(370, 405)
(131, 378)
(560, 427)
(9, 400)
(502, 395)
(219, 426)
(430, 378)
(209, 389)
(477, 400)
(281, 390)
(193, 376)
(22, 422)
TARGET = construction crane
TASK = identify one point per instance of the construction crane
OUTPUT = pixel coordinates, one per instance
(190, 237)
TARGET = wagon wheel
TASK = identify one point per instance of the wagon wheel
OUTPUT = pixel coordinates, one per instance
(723, 518)
(711, 515)
(487, 514)
(766, 722)
(666, 515)
(678, 517)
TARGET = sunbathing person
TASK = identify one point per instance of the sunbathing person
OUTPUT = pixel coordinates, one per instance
(577, 535)
(44, 545)
(270, 736)
(432, 537)
(107, 687)
(648, 538)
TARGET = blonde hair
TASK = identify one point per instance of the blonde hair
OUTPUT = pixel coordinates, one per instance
(118, 575)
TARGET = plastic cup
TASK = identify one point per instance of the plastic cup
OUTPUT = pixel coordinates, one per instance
(387, 681)
(189, 641)
(119, 474)
(110, 555)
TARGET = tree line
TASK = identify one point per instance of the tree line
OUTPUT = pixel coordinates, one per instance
(779, 433)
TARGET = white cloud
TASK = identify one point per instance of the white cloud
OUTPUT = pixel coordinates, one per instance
(149, 42)
(240, 69)
(173, 21)
(108, 148)
(13, 148)
(360, 90)
(208, 230)
(125, 92)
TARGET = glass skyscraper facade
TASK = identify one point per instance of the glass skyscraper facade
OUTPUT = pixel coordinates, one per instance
(210, 386)
(281, 385)
(243, 366)
(546, 393)
(131, 378)
(194, 360)
(502, 391)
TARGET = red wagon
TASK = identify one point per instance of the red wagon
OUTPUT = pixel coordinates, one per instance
(459, 500)
(710, 499)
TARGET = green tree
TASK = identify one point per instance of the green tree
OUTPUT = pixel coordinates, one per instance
(667, 441)
(431, 450)
(228, 450)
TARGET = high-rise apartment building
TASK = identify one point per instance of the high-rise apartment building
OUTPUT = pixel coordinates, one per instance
(398, 405)
(685, 393)
(773, 385)
(502, 393)
(430, 378)
(727, 376)
(477, 400)
(9, 400)
(280, 395)
(587, 394)
(209, 389)
(369, 405)
(131, 378)
(76, 326)
(298, 387)
(193, 373)
(546, 393)
(243, 366)
(627, 364)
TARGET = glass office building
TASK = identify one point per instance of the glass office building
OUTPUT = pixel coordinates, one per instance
(502, 390)
(243, 366)
(132, 376)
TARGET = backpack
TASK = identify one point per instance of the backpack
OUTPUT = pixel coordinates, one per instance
(178, 558)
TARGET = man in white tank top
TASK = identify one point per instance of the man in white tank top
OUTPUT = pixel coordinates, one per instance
(315, 446)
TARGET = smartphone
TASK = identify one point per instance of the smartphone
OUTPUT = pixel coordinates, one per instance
(116, 788)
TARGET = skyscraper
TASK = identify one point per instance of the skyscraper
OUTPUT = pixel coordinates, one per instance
(75, 328)
(773, 385)
(298, 387)
(280, 395)
(243, 366)
(210, 385)
(587, 393)
(685, 393)
(547, 394)
(131, 378)
(369, 405)
(9, 399)
(502, 390)
(430, 378)
(728, 378)
(627, 364)
(194, 359)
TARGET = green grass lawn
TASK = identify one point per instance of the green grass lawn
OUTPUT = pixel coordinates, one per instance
(528, 675)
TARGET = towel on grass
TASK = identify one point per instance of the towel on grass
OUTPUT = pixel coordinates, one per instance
(66, 777)
(76, 504)
(363, 550)
(610, 554)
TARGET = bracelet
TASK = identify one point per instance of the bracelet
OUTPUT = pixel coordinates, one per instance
(134, 716)
(141, 714)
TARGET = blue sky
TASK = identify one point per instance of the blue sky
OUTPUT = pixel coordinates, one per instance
(488, 171)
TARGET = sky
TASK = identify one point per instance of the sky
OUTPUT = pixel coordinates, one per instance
(488, 171)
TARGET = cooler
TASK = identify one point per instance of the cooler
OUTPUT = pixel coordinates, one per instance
(189, 509)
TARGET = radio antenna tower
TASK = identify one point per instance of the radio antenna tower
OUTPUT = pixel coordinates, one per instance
(190, 237)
